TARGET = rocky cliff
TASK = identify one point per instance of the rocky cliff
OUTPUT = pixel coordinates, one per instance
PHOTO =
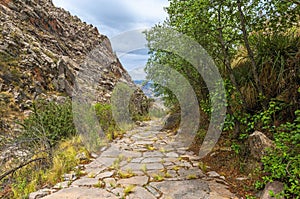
(44, 51)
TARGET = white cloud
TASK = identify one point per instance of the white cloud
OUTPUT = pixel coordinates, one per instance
(138, 73)
(147, 11)
(129, 41)
(116, 16)
(116, 19)
(134, 60)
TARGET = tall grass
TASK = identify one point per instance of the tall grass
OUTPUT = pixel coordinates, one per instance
(277, 57)
(49, 135)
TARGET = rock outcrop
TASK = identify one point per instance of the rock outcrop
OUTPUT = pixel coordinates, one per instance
(46, 52)
(259, 142)
(273, 187)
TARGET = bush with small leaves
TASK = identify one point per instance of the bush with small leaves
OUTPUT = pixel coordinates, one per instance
(283, 163)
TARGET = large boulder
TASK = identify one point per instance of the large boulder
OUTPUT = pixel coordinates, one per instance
(139, 104)
(172, 121)
(258, 143)
(274, 188)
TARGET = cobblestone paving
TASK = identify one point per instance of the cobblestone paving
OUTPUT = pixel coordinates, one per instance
(145, 164)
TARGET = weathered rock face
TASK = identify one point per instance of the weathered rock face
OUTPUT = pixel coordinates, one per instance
(274, 187)
(172, 121)
(139, 104)
(259, 142)
(45, 51)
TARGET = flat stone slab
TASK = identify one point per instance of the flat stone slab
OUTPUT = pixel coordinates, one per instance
(172, 155)
(190, 173)
(218, 190)
(137, 160)
(213, 174)
(143, 142)
(133, 167)
(113, 151)
(191, 189)
(141, 193)
(154, 166)
(153, 154)
(110, 183)
(151, 160)
(40, 193)
(62, 185)
(153, 191)
(104, 161)
(118, 191)
(94, 171)
(85, 182)
(171, 160)
(137, 180)
(131, 154)
(107, 174)
(82, 193)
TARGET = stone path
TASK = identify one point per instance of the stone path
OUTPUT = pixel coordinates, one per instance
(145, 164)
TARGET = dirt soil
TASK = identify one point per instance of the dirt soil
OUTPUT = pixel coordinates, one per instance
(238, 169)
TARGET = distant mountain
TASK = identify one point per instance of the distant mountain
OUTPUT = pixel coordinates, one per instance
(147, 88)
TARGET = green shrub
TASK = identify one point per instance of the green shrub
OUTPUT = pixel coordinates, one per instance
(104, 112)
(263, 120)
(49, 123)
(7, 61)
(108, 124)
(283, 163)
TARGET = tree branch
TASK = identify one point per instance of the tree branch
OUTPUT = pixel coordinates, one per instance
(19, 167)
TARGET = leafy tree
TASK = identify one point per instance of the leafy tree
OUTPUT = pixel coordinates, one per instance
(257, 53)
(222, 26)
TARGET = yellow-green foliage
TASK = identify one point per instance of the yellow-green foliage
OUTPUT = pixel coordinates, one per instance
(26, 181)
(163, 150)
(176, 168)
(116, 163)
(158, 177)
(144, 168)
(150, 148)
(100, 184)
(64, 159)
(34, 176)
(129, 189)
(125, 174)
(191, 176)
(107, 122)
(168, 175)
(202, 166)
(104, 113)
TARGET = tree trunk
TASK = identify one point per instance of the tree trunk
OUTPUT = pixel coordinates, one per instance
(249, 50)
(227, 61)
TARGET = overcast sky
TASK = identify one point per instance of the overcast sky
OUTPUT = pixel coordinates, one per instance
(122, 21)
